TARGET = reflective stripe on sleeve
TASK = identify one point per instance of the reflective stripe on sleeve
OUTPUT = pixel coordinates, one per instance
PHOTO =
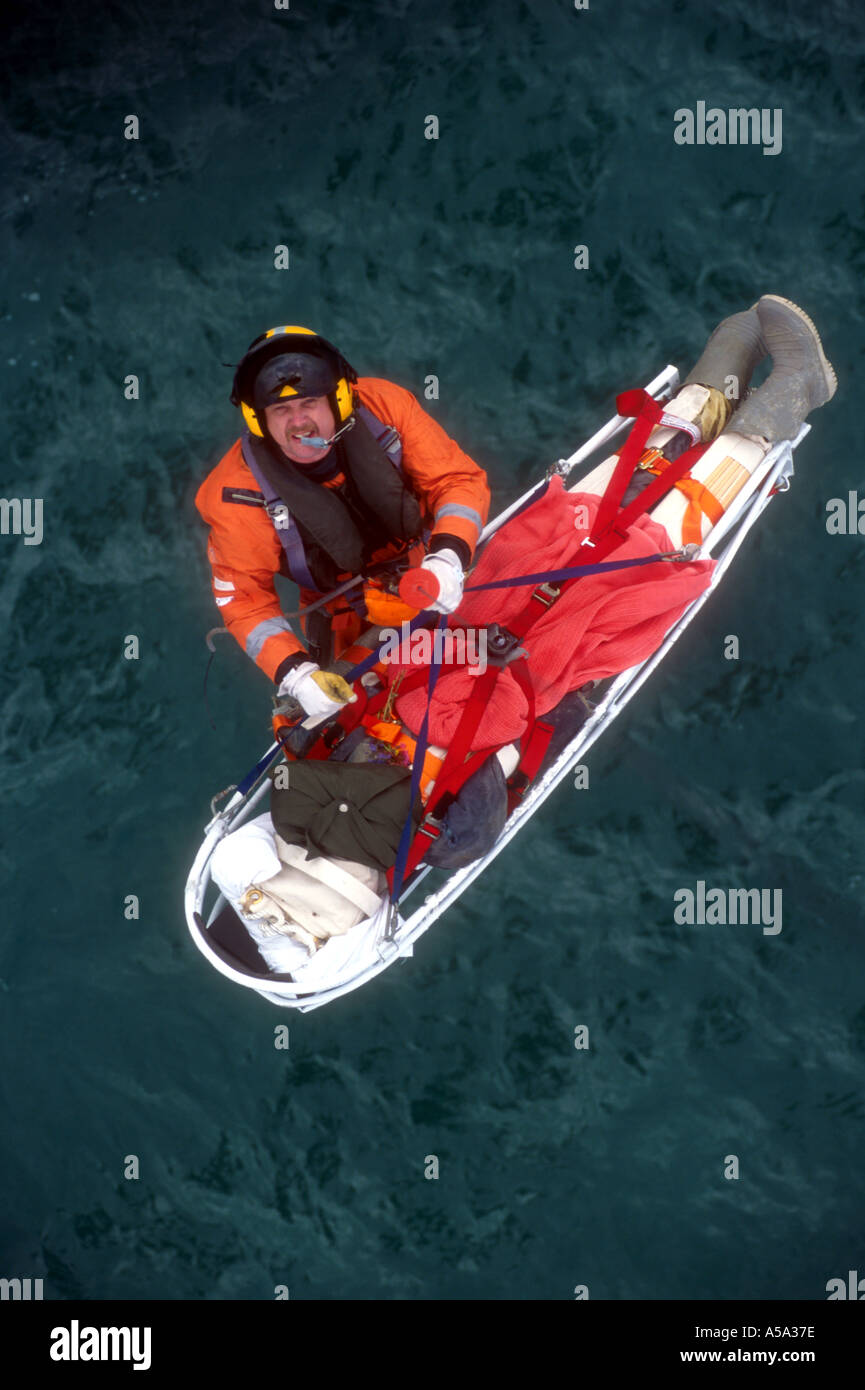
(260, 633)
(457, 509)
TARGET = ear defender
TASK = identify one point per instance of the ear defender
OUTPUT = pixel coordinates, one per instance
(343, 399)
(251, 419)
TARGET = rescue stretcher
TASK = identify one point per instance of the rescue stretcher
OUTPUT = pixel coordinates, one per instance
(385, 937)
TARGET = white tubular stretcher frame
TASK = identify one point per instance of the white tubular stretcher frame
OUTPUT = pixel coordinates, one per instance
(771, 475)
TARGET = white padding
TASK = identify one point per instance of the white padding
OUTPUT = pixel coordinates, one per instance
(509, 757)
(246, 856)
(331, 873)
(731, 452)
(325, 896)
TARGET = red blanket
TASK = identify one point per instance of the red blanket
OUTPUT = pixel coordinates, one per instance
(600, 626)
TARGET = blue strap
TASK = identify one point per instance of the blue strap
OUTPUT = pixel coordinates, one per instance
(386, 436)
(422, 620)
(286, 528)
(287, 531)
(550, 576)
(572, 572)
(254, 773)
(407, 835)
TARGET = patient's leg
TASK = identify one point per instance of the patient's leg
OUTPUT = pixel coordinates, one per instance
(705, 401)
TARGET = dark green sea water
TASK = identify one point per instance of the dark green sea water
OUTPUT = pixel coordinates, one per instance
(558, 1167)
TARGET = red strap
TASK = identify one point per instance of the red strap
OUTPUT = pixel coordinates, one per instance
(349, 717)
(537, 747)
(661, 485)
(457, 767)
(535, 740)
(608, 533)
(420, 843)
(520, 673)
(648, 412)
(610, 529)
(455, 770)
(470, 718)
(533, 744)
(531, 760)
(657, 489)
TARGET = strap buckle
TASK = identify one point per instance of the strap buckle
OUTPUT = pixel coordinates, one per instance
(391, 922)
(279, 515)
(389, 440)
(684, 556)
(562, 467)
(650, 458)
(430, 826)
(502, 645)
(547, 593)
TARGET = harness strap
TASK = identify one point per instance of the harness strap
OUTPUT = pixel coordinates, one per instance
(457, 766)
(283, 522)
(533, 744)
(523, 776)
(608, 533)
(644, 501)
(325, 871)
(648, 413)
(701, 502)
(386, 436)
(396, 875)
(454, 770)
(388, 439)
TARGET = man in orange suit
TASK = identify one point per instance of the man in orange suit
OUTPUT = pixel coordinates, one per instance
(336, 477)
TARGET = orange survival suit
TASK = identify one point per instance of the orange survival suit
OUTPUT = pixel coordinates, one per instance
(245, 551)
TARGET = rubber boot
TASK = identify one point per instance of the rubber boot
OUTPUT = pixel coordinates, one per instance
(734, 350)
(802, 378)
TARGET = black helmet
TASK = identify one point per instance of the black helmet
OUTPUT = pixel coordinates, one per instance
(287, 362)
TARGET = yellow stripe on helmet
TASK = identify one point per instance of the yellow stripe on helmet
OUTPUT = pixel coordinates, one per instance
(291, 329)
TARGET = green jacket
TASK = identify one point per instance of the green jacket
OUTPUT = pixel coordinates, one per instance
(353, 811)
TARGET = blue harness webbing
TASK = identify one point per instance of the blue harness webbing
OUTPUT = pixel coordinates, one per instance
(284, 524)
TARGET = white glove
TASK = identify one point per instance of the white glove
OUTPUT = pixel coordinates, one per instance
(448, 570)
(320, 693)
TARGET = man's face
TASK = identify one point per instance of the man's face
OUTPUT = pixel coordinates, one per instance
(288, 419)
